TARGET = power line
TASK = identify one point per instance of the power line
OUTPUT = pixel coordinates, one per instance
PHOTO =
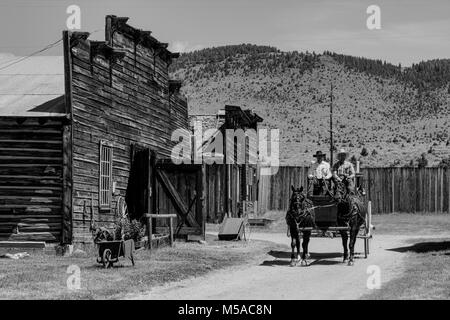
(30, 94)
(30, 55)
(30, 74)
(51, 45)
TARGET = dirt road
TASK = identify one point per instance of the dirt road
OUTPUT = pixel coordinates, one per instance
(272, 278)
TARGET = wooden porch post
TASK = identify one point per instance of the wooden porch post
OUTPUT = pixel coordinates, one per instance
(151, 195)
(203, 199)
(67, 139)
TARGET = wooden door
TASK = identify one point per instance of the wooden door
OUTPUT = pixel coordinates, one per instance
(179, 189)
(138, 187)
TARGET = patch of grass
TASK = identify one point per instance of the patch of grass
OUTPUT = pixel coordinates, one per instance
(411, 223)
(44, 276)
(426, 276)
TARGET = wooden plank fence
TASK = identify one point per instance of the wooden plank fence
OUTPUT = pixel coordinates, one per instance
(390, 189)
(242, 184)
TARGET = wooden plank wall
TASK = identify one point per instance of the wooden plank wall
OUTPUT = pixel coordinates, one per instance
(185, 183)
(274, 190)
(390, 189)
(408, 189)
(30, 179)
(122, 101)
(215, 191)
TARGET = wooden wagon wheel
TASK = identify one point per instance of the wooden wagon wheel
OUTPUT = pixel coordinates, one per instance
(121, 208)
(106, 259)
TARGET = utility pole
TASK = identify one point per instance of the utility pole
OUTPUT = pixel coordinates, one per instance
(331, 125)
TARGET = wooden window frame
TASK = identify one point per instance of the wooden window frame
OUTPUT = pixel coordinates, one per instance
(105, 175)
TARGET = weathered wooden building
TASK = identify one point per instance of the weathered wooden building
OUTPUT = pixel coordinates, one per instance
(67, 162)
(79, 143)
(231, 188)
(122, 105)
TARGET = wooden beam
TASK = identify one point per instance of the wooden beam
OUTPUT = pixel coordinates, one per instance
(150, 226)
(171, 230)
(202, 199)
(67, 140)
(154, 189)
(161, 216)
(150, 196)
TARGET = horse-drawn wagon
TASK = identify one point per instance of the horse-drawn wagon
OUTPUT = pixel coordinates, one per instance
(327, 223)
(338, 212)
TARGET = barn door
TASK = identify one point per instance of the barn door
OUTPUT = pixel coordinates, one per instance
(179, 190)
(137, 195)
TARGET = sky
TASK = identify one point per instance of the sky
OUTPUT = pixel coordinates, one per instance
(411, 30)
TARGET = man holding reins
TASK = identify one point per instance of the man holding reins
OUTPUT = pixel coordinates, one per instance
(319, 175)
(343, 171)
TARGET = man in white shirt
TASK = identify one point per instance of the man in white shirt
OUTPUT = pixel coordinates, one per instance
(319, 175)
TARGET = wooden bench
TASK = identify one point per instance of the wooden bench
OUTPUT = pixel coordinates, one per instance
(151, 216)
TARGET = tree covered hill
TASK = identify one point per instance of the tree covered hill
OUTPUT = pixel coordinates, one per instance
(384, 114)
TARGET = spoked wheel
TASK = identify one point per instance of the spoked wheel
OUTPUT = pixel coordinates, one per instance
(106, 259)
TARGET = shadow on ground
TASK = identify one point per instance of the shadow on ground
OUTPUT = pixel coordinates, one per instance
(283, 258)
(425, 247)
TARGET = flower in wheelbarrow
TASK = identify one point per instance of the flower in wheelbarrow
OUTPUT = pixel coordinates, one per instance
(102, 234)
(126, 230)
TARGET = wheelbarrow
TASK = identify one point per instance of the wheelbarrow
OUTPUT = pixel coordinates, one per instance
(109, 252)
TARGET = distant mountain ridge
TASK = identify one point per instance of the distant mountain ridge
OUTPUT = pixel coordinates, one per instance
(395, 113)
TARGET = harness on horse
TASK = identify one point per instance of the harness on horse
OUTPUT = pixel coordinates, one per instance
(302, 214)
(353, 201)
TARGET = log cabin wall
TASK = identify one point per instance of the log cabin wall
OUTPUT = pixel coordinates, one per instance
(31, 179)
(121, 95)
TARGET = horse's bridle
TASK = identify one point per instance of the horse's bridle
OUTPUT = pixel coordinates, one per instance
(298, 206)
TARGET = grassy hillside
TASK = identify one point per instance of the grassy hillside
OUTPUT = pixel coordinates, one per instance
(396, 114)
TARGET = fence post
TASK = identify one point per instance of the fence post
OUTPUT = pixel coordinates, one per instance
(393, 190)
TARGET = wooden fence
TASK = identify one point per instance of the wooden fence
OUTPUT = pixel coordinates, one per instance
(389, 189)
(242, 184)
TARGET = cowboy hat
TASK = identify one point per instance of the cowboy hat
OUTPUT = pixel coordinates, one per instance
(319, 154)
(342, 151)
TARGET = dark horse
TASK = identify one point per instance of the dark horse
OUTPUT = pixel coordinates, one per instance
(351, 213)
(299, 215)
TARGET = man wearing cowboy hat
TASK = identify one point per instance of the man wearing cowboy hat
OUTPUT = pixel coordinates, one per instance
(319, 175)
(343, 170)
